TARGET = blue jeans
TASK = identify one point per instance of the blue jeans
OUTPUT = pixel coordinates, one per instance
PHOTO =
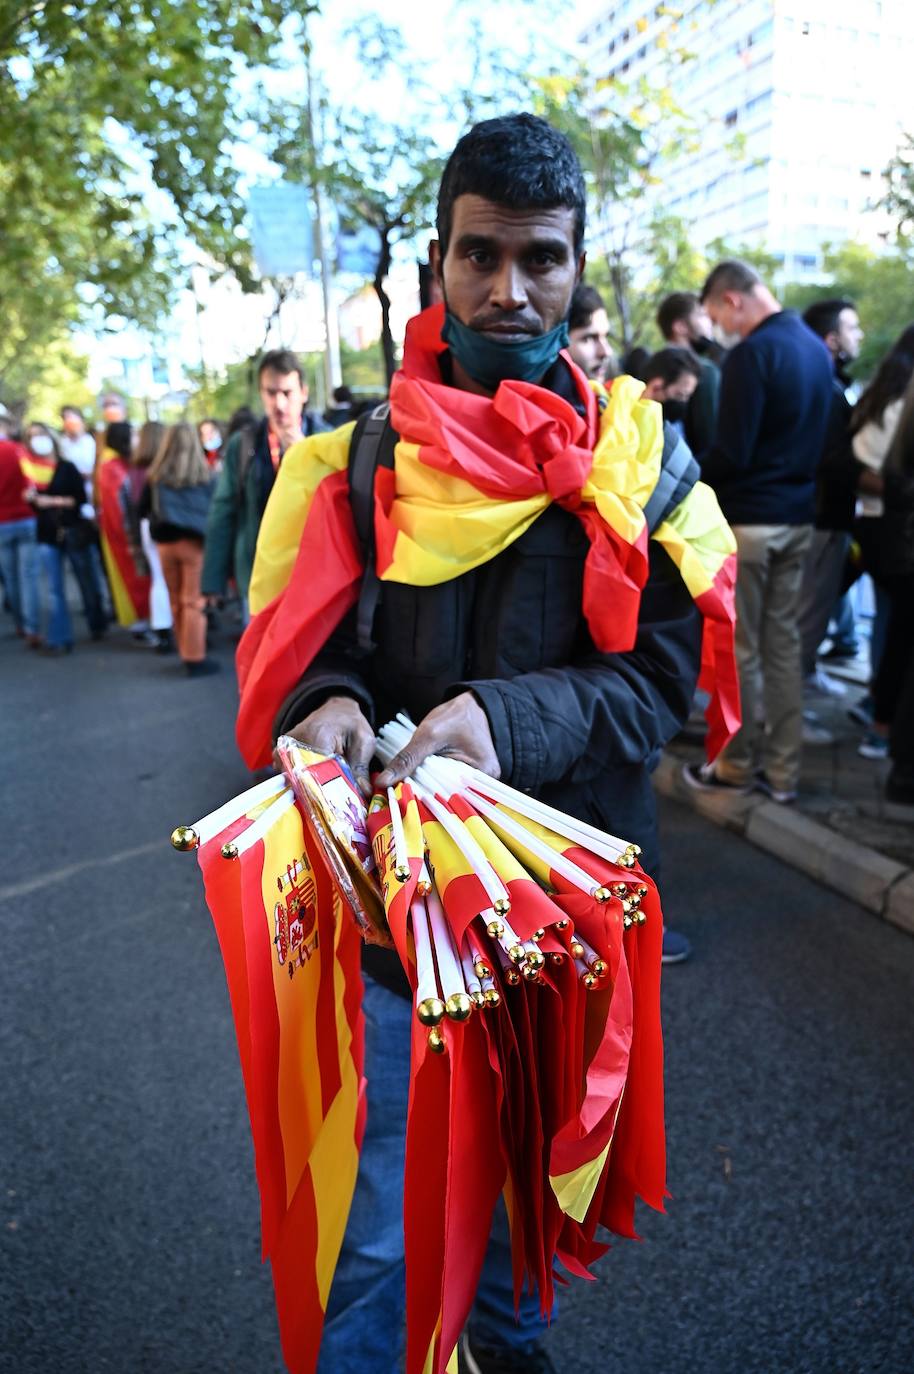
(60, 628)
(364, 1328)
(19, 568)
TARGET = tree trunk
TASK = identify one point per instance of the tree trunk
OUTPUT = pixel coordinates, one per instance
(387, 340)
(619, 278)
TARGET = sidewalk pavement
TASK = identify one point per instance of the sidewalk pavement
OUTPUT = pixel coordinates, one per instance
(841, 831)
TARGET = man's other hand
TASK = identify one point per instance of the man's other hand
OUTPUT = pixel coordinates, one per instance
(338, 727)
(458, 729)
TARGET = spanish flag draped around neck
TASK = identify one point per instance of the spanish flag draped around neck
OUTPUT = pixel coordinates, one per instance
(471, 474)
(129, 589)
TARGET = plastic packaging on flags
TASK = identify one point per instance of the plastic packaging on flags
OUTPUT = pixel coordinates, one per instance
(531, 942)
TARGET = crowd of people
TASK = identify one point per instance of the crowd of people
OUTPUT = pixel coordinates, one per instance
(158, 525)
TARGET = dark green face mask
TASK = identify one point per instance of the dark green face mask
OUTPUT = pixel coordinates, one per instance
(489, 362)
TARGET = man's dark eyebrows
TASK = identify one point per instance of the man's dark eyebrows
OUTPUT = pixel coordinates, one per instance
(472, 243)
(550, 244)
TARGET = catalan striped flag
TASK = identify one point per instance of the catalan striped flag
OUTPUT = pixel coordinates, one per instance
(471, 473)
(129, 589)
(291, 955)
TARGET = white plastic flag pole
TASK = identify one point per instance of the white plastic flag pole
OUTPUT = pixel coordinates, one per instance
(553, 860)
(453, 989)
(258, 828)
(401, 854)
(470, 976)
(202, 831)
(429, 1005)
(495, 889)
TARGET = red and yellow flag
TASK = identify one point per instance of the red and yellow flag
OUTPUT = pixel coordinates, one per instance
(129, 589)
(291, 955)
(471, 474)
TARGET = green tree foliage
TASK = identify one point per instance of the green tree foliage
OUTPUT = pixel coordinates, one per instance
(899, 199)
(97, 99)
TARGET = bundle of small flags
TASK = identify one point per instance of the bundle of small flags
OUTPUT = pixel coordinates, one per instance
(531, 943)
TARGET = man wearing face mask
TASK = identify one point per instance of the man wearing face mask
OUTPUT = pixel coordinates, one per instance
(672, 376)
(469, 508)
(684, 323)
(775, 402)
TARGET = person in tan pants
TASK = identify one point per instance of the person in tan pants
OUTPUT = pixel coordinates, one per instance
(176, 502)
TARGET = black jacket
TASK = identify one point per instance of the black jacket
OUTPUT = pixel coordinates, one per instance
(580, 729)
(839, 471)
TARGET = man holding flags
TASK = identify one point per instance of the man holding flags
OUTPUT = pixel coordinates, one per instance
(525, 564)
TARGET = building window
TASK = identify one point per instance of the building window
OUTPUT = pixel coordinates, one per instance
(730, 119)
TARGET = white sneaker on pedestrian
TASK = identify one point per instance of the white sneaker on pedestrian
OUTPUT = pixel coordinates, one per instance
(821, 684)
(813, 733)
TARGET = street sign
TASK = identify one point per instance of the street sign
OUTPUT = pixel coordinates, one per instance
(281, 229)
(358, 250)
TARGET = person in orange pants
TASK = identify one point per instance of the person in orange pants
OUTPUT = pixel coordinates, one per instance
(176, 502)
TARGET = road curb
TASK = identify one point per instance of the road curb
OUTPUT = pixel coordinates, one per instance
(871, 879)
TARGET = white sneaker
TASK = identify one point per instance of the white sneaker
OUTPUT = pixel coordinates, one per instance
(821, 684)
(816, 734)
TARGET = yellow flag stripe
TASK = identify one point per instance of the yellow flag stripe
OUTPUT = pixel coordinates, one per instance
(303, 468)
(298, 1080)
(574, 1191)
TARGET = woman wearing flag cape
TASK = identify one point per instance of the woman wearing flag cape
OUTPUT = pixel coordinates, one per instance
(526, 564)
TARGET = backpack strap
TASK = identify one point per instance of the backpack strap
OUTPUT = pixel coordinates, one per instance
(373, 443)
(678, 474)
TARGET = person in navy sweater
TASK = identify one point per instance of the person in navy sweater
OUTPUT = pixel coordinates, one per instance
(775, 402)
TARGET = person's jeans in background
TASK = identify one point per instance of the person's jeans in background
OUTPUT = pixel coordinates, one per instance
(53, 558)
(365, 1325)
(19, 567)
(770, 562)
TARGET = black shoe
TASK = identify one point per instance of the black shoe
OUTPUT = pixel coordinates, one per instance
(55, 650)
(166, 643)
(783, 796)
(899, 788)
(476, 1359)
(203, 668)
(840, 653)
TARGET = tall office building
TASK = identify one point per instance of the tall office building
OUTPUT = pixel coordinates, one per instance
(819, 92)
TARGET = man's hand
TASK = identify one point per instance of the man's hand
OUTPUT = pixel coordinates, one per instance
(458, 729)
(338, 727)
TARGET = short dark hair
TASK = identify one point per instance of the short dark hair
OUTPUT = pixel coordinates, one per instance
(669, 364)
(281, 360)
(824, 316)
(72, 410)
(518, 161)
(679, 305)
(730, 275)
(585, 302)
(119, 436)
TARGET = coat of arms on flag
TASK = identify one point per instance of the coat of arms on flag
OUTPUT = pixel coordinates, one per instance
(531, 943)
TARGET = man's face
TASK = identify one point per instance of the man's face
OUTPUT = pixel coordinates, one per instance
(848, 336)
(72, 424)
(209, 434)
(589, 345)
(727, 312)
(283, 398)
(508, 274)
(113, 410)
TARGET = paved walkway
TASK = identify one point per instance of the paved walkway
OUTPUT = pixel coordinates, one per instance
(841, 830)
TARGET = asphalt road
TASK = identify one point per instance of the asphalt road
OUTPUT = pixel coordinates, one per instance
(130, 1236)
